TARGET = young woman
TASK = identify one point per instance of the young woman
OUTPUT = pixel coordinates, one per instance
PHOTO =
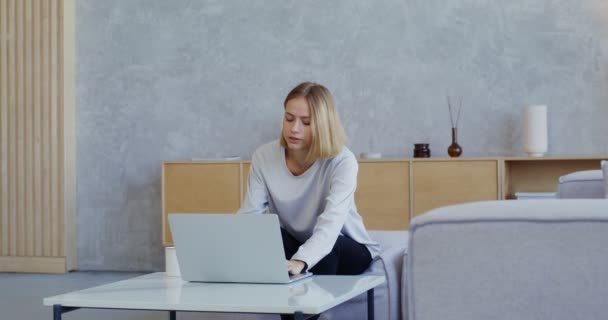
(308, 178)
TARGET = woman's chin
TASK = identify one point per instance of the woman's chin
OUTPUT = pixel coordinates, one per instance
(296, 146)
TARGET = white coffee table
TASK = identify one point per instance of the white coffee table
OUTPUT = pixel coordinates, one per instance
(157, 291)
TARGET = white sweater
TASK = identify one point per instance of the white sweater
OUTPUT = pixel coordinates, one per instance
(315, 207)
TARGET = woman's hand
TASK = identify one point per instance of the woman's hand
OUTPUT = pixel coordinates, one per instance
(295, 266)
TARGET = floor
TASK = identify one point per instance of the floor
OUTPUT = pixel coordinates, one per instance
(21, 298)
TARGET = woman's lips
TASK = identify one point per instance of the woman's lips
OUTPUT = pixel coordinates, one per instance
(294, 140)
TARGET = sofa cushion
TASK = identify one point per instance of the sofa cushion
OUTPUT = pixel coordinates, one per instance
(390, 238)
(586, 184)
(605, 171)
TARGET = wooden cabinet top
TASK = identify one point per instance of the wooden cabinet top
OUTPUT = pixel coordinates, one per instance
(497, 158)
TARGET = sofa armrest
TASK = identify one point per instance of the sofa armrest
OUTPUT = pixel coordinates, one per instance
(393, 264)
(537, 259)
(394, 246)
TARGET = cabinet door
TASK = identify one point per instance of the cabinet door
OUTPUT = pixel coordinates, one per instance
(383, 194)
(199, 188)
(441, 183)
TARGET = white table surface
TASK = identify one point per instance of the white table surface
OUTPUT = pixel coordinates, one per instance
(157, 291)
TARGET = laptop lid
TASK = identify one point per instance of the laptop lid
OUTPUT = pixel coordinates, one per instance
(229, 247)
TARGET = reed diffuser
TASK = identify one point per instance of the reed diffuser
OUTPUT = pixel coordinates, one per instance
(454, 150)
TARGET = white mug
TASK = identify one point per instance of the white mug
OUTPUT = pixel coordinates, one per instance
(171, 264)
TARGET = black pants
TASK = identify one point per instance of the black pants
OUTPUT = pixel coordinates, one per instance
(347, 257)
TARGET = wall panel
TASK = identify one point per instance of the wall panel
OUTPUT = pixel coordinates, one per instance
(36, 135)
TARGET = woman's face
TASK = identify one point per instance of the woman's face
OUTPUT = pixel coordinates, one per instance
(296, 124)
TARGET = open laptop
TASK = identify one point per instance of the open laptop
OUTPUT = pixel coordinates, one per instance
(230, 248)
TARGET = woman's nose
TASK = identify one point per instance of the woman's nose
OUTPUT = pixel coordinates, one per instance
(295, 127)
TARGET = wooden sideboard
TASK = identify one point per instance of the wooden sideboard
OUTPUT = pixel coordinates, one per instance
(389, 192)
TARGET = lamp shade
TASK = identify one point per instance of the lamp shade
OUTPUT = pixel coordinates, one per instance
(535, 130)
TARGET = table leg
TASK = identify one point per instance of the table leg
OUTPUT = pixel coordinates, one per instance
(370, 304)
(59, 310)
(172, 315)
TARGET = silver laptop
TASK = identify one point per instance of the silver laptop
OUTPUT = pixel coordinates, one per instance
(230, 248)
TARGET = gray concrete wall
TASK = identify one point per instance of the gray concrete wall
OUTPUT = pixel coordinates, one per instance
(160, 80)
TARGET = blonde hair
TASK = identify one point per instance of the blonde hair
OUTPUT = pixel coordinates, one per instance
(328, 136)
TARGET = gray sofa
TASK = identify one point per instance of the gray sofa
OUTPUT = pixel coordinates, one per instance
(537, 259)
(387, 297)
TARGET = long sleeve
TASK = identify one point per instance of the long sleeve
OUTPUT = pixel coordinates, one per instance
(314, 207)
(256, 198)
(330, 222)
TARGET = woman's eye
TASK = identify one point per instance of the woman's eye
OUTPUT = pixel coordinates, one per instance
(306, 123)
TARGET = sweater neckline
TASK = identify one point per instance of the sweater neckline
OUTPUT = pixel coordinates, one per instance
(303, 174)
